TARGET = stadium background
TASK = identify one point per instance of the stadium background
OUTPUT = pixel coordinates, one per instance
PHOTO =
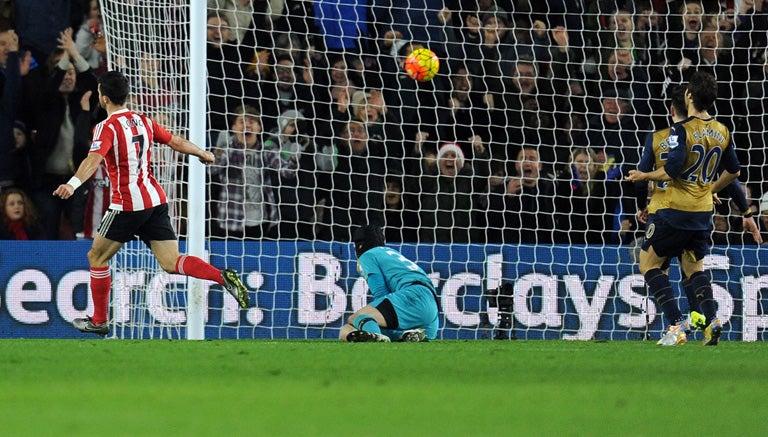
(148, 43)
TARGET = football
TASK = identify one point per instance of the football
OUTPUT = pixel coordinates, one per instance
(422, 64)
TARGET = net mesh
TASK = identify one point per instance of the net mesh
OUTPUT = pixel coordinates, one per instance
(148, 42)
(506, 168)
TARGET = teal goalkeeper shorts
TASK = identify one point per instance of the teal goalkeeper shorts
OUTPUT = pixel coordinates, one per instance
(415, 307)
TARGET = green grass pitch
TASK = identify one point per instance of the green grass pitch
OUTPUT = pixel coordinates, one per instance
(327, 388)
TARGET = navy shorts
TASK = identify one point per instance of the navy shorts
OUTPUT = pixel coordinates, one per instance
(153, 224)
(671, 242)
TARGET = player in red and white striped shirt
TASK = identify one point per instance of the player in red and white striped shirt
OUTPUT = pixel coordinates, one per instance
(139, 205)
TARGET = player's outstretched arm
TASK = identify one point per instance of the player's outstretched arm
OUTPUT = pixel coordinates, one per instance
(736, 193)
(187, 147)
(84, 172)
(725, 180)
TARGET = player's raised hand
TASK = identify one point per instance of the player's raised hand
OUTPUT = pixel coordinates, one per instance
(750, 226)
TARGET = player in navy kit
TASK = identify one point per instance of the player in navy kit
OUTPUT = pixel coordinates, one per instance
(404, 306)
(697, 148)
(654, 156)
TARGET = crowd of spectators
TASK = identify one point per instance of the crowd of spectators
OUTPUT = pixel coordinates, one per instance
(524, 136)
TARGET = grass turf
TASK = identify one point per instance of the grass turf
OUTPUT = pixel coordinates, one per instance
(315, 387)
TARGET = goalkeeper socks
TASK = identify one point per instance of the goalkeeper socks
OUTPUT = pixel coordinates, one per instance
(197, 268)
(661, 289)
(690, 294)
(101, 282)
(367, 323)
(703, 289)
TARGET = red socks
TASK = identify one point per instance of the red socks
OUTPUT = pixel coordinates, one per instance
(101, 283)
(197, 268)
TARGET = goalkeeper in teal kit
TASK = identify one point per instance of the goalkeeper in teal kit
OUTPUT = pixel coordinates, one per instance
(404, 306)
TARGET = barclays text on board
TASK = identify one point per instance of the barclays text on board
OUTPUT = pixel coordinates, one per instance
(306, 290)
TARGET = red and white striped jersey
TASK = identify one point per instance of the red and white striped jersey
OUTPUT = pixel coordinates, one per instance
(124, 140)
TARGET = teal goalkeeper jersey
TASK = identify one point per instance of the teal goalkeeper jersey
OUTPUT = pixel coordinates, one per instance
(387, 270)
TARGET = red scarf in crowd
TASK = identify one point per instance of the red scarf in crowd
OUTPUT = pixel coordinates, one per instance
(17, 228)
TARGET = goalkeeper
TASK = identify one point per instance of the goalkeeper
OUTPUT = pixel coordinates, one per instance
(404, 306)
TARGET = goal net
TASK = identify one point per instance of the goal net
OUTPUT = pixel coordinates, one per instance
(149, 43)
(502, 177)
